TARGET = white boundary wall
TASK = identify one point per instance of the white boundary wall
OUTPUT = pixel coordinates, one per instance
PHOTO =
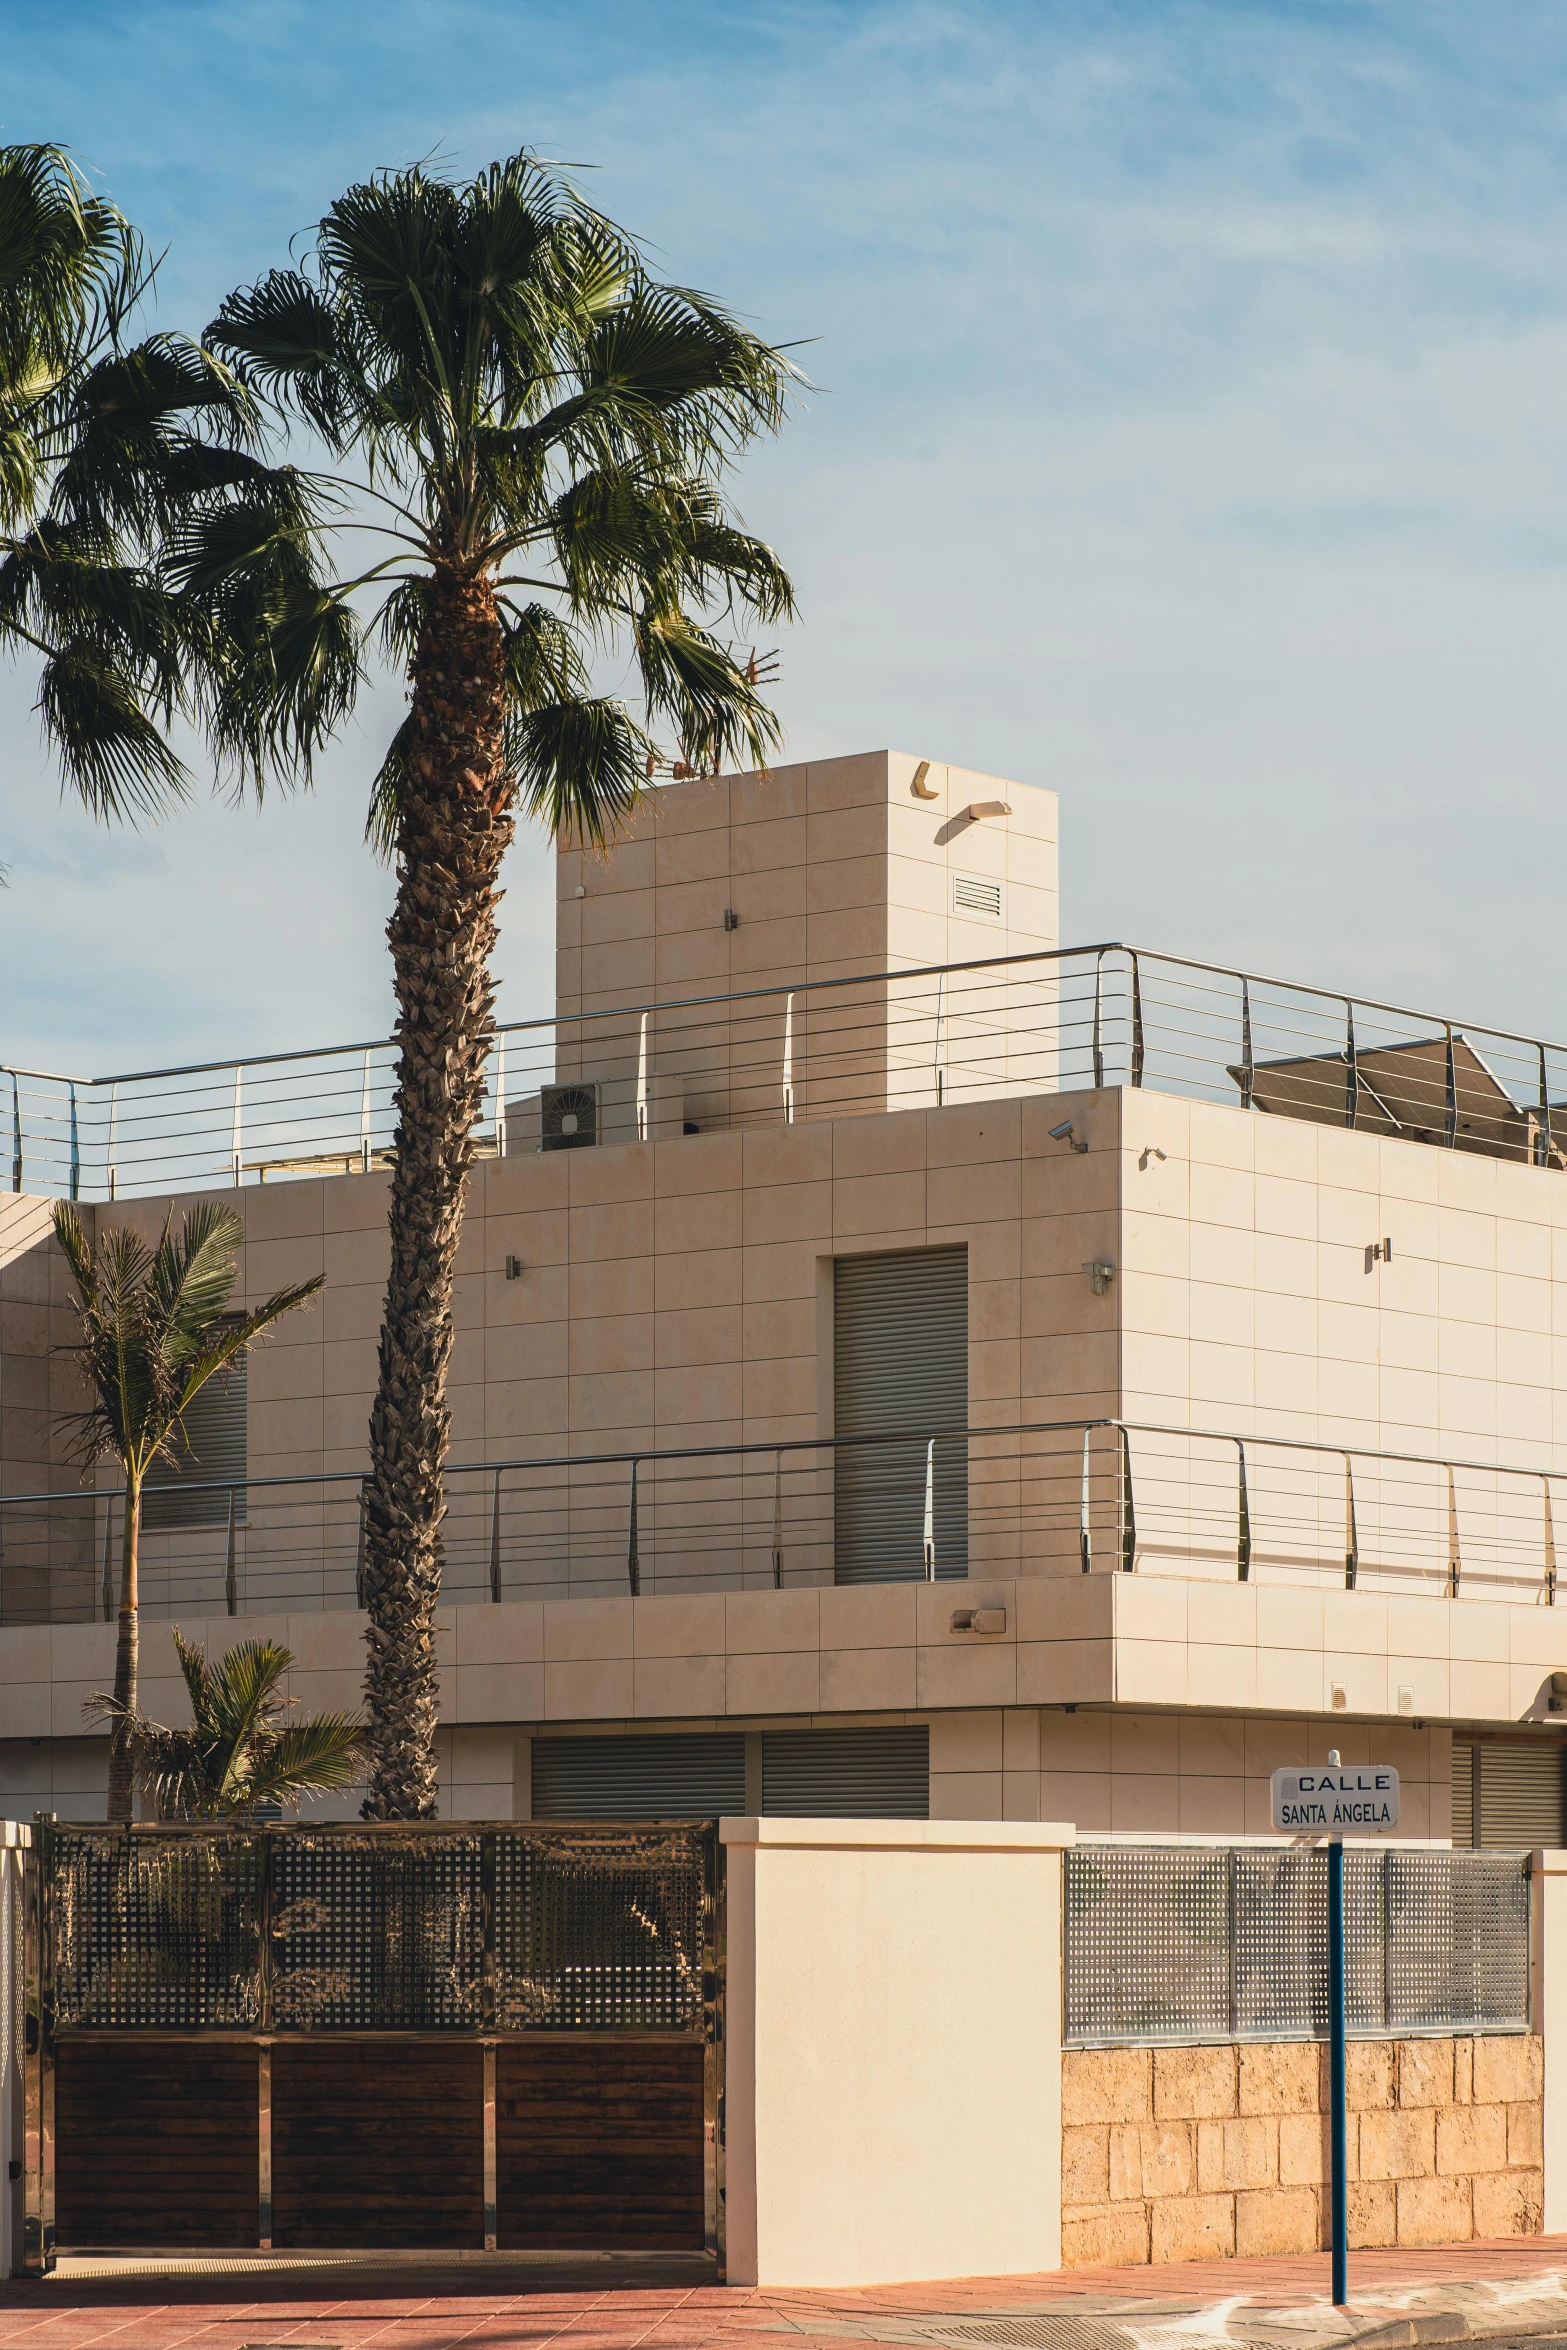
(893, 2049)
(1548, 2015)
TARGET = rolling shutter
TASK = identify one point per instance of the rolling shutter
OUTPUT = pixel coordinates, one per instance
(216, 1446)
(1463, 1792)
(1508, 1794)
(1520, 1795)
(681, 1777)
(900, 1364)
(881, 1774)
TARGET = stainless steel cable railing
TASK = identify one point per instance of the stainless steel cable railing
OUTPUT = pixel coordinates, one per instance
(1107, 1014)
(1040, 1498)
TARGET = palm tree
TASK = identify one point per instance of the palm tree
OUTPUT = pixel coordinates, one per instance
(104, 444)
(238, 1756)
(155, 1327)
(533, 431)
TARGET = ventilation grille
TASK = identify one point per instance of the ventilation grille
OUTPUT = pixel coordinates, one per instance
(971, 894)
(680, 1777)
(1508, 1795)
(568, 1117)
(847, 1774)
(216, 1447)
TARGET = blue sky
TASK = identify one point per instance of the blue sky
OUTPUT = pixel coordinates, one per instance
(1190, 439)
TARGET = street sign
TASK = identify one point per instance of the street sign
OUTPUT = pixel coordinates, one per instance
(1335, 1799)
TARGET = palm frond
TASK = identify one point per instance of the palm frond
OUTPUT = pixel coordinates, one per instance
(386, 794)
(111, 750)
(315, 1757)
(155, 1327)
(238, 1753)
(287, 340)
(695, 682)
(239, 1331)
(582, 765)
(192, 1276)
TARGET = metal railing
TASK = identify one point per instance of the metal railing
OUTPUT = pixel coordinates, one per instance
(1046, 1497)
(1165, 1945)
(1005, 1026)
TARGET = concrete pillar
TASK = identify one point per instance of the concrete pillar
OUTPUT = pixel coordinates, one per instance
(1548, 2017)
(893, 2049)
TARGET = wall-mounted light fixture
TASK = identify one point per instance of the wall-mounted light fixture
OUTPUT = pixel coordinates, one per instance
(1101, 1272)
(731, 919)
(979, 1619)
(1378, 1252)
(1064, 1133)
(514, 1268)
(979, 808)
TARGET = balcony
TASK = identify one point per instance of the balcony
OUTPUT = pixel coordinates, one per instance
(1061, 1500)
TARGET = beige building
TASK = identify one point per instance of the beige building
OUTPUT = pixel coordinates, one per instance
(902, 1366)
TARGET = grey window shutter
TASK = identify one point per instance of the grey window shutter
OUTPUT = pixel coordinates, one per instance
(216, 1446)
(1463, 1792)
(877, 1774)
(685, 1776)
(1519, 1795)
(900, 1367)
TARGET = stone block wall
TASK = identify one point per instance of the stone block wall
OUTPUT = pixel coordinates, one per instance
(1208, 2153)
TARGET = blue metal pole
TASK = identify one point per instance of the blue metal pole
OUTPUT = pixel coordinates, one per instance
(1337, 2074)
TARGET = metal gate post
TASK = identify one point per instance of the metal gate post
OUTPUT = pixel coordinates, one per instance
(714, 1966)
(264, 2145)
(490, 2198)
(1337, 2072)
(38, 2056)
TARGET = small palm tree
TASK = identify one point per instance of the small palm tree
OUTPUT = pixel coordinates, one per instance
(534, 432)
(238, 1756)
(105, 444)
(155, 1327)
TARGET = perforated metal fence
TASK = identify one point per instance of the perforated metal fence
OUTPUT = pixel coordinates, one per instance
(421, 1929)
(1165, 1944)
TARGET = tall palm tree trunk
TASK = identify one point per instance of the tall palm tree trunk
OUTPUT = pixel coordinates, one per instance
(454, 829)
(127, 1658)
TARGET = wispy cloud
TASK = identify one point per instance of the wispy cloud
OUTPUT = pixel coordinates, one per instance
(1189, 441)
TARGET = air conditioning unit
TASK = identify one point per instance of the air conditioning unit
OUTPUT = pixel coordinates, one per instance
(568, 1117)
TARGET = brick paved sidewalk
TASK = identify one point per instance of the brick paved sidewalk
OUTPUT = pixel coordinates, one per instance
(1502, 2291)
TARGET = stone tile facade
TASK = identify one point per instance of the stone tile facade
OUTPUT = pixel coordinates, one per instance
(1213, 2153)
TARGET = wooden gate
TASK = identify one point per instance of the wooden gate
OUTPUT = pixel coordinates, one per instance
(415, 2035)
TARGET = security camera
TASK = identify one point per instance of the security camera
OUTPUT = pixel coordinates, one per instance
(1064, 1133)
